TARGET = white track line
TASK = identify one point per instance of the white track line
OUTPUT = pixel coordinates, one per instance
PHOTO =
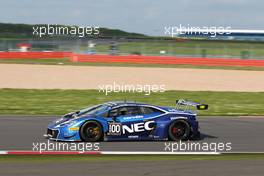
(157, 153)
(3, 152)
(108, 153)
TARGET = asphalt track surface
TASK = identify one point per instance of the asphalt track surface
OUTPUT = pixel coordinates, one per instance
(159, 168)
(245, 134)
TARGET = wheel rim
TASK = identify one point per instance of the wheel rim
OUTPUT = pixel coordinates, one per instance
(178, 130)
(92, 131)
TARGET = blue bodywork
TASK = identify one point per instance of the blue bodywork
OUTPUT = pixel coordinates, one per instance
(145, 126)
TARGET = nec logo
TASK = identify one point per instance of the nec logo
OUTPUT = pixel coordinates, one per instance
(138, 127)
(115, 128)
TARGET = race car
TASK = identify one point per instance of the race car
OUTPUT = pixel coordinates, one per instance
(123, 121)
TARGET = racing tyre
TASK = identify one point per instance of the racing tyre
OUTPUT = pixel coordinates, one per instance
(91, 131)
(179, 130)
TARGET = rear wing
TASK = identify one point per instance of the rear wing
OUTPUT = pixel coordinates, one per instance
(186, 105)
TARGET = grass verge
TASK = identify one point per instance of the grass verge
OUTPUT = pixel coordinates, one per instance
(51, 102)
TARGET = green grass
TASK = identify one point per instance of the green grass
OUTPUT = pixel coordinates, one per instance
(98, 158)
(65, 61)
(57, 102)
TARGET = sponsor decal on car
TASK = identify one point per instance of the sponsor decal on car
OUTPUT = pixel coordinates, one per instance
(133, 137)
(74, 128)
(118, 128)
(180, 117)
(133, 117)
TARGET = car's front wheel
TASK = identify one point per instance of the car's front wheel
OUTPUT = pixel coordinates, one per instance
(91, 131)
(179, 130)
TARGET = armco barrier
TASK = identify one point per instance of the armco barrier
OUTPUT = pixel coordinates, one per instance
(34, 55)
(167, 60)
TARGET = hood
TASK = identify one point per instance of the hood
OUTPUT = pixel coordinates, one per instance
(68, 117)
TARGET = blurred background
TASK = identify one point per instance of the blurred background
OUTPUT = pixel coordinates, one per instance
(247, 46)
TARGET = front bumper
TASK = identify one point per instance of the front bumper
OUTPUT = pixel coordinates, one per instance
(62, 134)
(51, 134)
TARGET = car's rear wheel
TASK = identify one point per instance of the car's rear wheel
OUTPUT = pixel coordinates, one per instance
(179, 130)
(91, 131)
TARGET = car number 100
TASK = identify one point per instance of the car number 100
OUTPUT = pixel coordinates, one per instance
(114, 128)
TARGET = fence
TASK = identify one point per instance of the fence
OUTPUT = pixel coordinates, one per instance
(205, 49)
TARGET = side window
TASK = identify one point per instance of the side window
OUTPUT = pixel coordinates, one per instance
(133, 110)
(150, 110)
(125, 111)
(113, 113)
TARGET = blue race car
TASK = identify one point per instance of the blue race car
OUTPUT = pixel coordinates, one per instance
(119, 121)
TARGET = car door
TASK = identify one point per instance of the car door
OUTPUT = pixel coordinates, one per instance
(151, 117)
(128, 122)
